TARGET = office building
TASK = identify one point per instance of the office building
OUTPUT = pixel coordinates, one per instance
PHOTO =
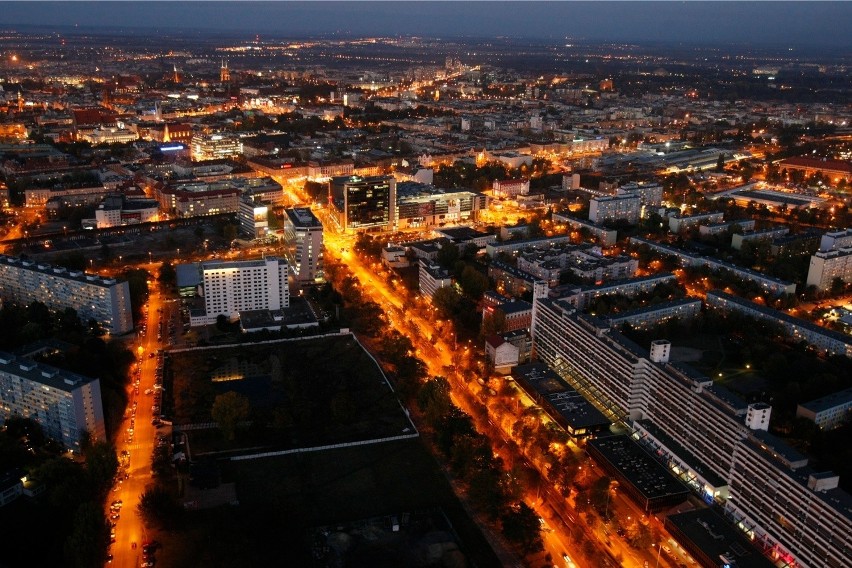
(254, 218)
(829, 411)
(104, 300)
(422, 205)
(215, 146)
(363, 203)
(610, 208)
(825, 266)
(303, 236)
(63, 403)
(117, 210)
(231, 287)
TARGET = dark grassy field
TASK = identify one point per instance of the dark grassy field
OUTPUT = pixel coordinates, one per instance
(282, 498)
(303, 393)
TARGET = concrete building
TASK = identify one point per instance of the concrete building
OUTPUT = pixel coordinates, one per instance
(253, 217)
(510, 187)
(215, 146)
(502, 354)
(795, 514)
(825, 266)
(63, 403)
(197, 199)
(582, 296)
(821, 338)
(609, 208)
(738, 239)
(422, 205)
(721, 228)
(603, 235)
(303, 236)
(363, 203)
(104, 300)
(681, 223)
(836, 240)
(433, 278)
(231, 287)
(683, 309)
(117, 210)
(649, 193)
(829, 411)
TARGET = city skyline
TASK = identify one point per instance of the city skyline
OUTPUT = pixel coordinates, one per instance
(793, 24)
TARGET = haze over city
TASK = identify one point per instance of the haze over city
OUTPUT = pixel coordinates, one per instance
(426, 284)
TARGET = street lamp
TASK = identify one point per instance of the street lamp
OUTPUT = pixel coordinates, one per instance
(659, 551)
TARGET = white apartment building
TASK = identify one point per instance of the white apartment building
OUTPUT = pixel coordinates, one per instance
(680, 223)
(829, 411)
(303, 235)
(432, 278)
(105, 300)
(649, 316)
(714, 441)
(231, 287)
(836, 240)
(615, 208)
(650, 194)
(825, 266)
(64, 404)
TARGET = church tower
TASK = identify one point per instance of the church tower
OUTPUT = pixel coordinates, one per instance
(224, 72)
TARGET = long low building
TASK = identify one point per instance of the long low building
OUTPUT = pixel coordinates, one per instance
(829, 411)
(643, 318)
(769, 284)
(104, 300)
(821, 338)
(581, 296)
(63, 403)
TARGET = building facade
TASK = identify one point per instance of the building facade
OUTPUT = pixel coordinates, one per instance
(825, 266)
(231, 287)
(215, 146)
(303, 236)
(615, 208)
(363, 203)
(104, 300)
(64, 404)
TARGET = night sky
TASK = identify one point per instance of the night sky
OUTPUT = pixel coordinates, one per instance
(777, 23)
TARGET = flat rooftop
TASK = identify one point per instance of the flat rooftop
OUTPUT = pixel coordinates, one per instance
(638, 467)
(715, 537)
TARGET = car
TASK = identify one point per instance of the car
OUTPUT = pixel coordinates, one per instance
(115, 517)
(109, 558)
(148, 563)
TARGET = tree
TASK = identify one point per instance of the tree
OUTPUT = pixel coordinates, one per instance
(167, 275)
(493, 323)
(473, 282)
(720, 163)
(86, 545)
(447, 300)
(229, 409)
(157, 507)
(101, 465)
(448, 255)
(521, 526)
(434, 399)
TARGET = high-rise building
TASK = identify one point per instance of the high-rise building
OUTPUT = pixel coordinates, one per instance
(254, 218)
(826, 266)
(303, 236)
(104, 300)
(231, 287)
(64, 404)
(363, 202)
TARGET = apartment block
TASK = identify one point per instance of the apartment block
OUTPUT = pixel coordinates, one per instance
(105, 300)
(64, 404)
(615, 208)
(825, 266)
